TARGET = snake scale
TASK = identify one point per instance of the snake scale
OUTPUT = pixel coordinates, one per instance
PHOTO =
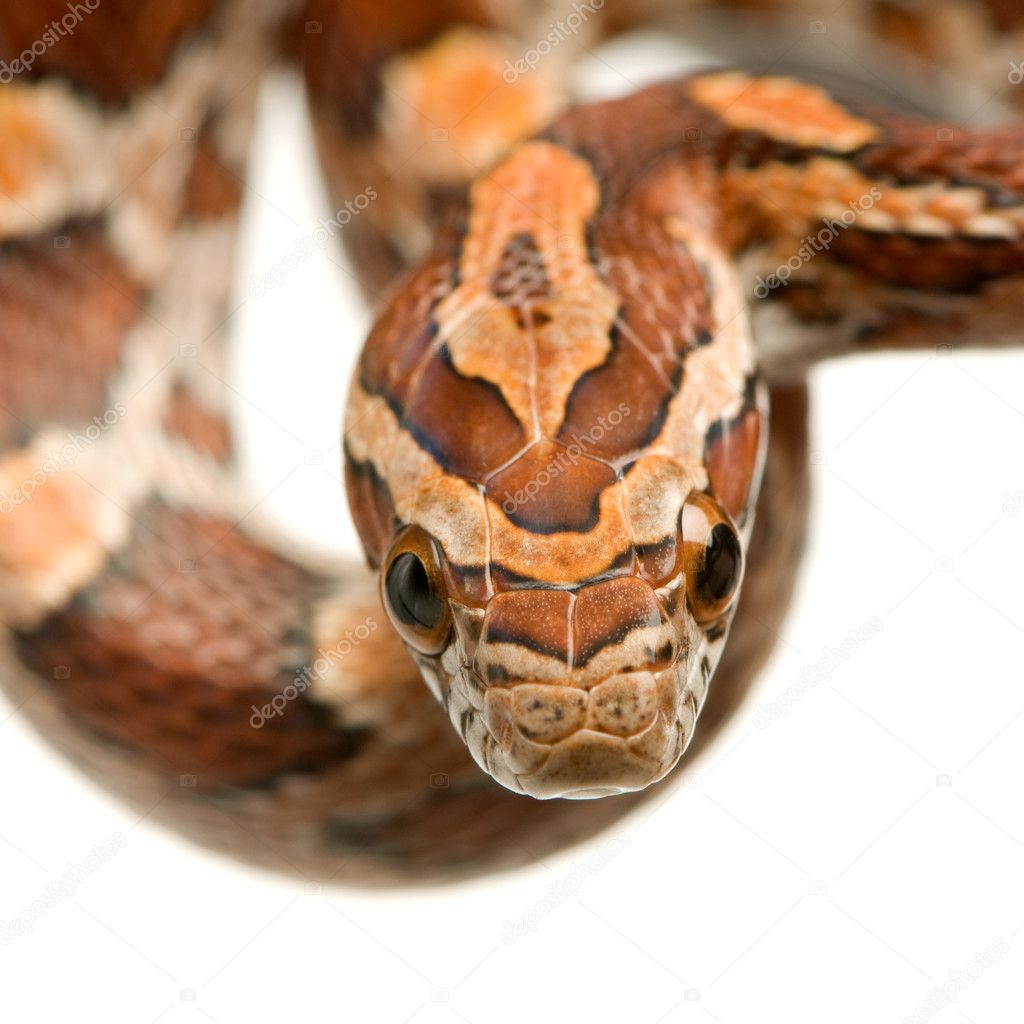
(557, 447)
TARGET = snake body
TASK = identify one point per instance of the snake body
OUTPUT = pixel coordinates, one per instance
(557, 445)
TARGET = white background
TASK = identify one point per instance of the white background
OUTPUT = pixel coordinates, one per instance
(835, 866)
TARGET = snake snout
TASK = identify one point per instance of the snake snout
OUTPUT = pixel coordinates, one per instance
(564, 741)
(584, 691)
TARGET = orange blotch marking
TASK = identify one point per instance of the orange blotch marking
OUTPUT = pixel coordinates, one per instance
(784, 109)
(25, 145)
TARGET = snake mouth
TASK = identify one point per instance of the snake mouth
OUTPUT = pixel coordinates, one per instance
(622, 735)
(589, 765)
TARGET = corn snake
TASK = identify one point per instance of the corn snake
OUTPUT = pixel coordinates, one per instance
(537, 528)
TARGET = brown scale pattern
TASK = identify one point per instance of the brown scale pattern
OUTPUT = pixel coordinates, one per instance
(167, 652)
(65, 301)
(627, 370)
(917, 151)
(606, 133)
(665, 311)
(939, 263)
(666, 304)
(573, 505)
(731, 454)
(113, 51)
(464, 422)
(404, 329)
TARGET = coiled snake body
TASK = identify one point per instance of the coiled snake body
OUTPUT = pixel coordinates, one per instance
(556, 438)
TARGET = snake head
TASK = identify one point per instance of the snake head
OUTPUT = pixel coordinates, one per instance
(581, 690)
(565, 591)
(564, 579)
(553, 445)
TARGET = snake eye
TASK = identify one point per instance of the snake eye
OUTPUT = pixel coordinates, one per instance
(413, 591)
(713, 556)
